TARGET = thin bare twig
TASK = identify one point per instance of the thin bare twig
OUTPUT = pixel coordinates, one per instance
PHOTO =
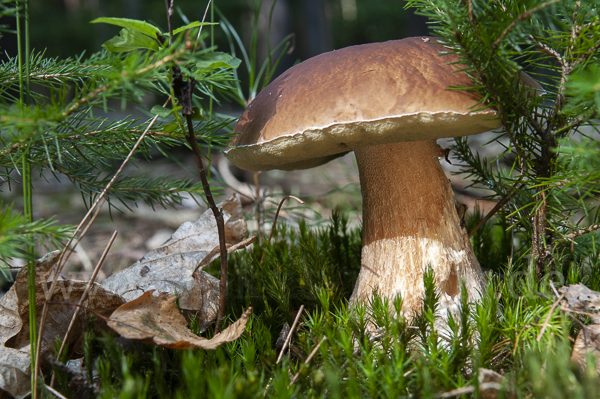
(258, 199)
(470, 7)
(470, 389)
(275, 219)
(96, 206)
(183, 91)
(581, 232)
(289, 337)
(554, 289)
(218, 214)
(547, 321)
(308, 359)
(277, 214)
(83, 298)
(203, 19)
(569, 310)
(169, 6)
(54, 392)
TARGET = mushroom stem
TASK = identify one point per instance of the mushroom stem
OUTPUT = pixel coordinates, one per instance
(409, 223)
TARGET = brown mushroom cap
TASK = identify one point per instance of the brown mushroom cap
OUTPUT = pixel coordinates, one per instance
(369, 94)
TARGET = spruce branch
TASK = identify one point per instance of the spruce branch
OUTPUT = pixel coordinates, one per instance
(581, 232)
(525, 15)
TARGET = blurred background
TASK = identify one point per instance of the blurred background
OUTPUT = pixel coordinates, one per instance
(63, 29)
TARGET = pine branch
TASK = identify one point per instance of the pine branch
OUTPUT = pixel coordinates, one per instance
(525, 15)
(16, 233)
(581, 232)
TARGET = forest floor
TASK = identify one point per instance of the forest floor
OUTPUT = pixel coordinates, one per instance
(142, 228)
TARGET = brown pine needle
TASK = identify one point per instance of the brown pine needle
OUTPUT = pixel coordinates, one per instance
(275, 219)
(277, 214)
(83, 298)
(66, 251)
(308, 359)
(54, 392)
(289, 337)
(547, 321)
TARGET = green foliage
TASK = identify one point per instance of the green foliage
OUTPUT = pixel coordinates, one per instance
(493, 243)
(296, 268)
(368, 352)
(61, 134)
(556, 42)
(258, 78)
(361, 350)
(16, 233)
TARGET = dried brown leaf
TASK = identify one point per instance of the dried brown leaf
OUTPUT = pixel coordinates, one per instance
(583, 299)
(588, 341)
(172, 267)
(156, 320)
(493, 385)
(15, 358)
(587, 302)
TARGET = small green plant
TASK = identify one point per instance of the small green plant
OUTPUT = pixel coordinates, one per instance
(399, 359)
(549, 172)
(56, 126)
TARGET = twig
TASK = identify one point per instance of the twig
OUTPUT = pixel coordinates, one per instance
(218, 214)
(470, 7)
(96, 206)
(470, 389)
(547, 321)
(568, 310)
(275, 219)
(212, 255)
(525, 15)
(183, 91)
(554, 289)
(289, 337)
(83, 298)
(203, 19)
(258, 205)
(581, 232)
(277, 213)
(550, 51)
(54, 392)
(169, 6)
(308, 359)
(495, 209)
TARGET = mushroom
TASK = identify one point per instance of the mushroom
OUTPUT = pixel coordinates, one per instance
(387, 102)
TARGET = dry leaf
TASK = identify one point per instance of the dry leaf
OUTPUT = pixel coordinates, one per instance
(583, 299)
(15, 358)
(156, 320)
(588, 341)
(172, 267)
(491, 383)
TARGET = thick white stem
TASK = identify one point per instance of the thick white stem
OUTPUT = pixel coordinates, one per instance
(409, 223)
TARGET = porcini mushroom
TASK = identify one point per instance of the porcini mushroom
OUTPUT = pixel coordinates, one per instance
(387, 102)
